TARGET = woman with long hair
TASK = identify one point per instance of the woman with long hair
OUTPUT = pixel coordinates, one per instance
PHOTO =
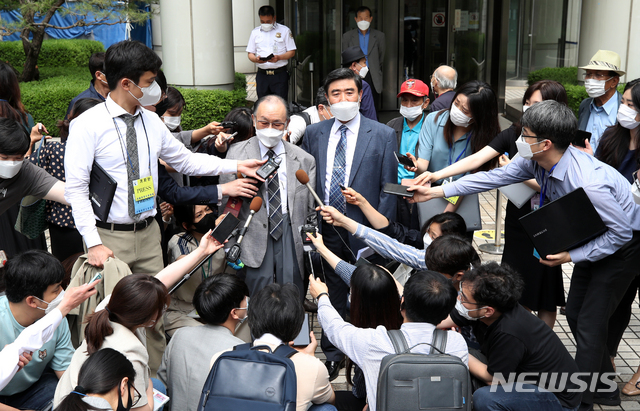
(105, 382)
(375, 301)
(543, 290)
(620, 148)
(137, 302)
(448, 136)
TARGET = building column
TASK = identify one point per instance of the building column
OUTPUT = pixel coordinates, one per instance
(611, 25)
(197, 43)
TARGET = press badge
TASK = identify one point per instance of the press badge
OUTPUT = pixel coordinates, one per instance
(453, 199)
(143, 194)
(535, 202)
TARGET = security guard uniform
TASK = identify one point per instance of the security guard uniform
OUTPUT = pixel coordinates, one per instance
(272, 78)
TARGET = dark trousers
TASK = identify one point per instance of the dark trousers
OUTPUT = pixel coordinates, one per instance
(374, 93)
(65, 241)
(620, 319)
(596, 290)
(279, 265)
(275, 84)
(338, 289)
(37, 397)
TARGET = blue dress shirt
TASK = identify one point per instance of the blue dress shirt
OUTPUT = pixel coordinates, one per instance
(408, 145)
(607, 189)
(364, 44)
(600, 118)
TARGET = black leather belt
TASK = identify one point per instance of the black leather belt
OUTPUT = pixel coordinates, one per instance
(274, 71)
(126, 227)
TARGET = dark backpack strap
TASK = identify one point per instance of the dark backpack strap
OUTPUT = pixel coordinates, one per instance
(398, 341)
(285, 351)
(439, 341)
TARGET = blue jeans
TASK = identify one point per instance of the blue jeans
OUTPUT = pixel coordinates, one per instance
(322, 407)
(37, 397)
(537, 399)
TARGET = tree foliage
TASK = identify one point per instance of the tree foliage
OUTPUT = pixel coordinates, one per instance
(36, 16)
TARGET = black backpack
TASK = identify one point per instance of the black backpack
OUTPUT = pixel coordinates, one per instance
(249, 379)
(436, 381)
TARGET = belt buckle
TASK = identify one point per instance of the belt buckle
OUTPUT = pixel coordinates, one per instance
(271, 72)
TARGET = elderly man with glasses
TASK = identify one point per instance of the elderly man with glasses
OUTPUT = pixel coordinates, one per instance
(272, 249)
(601, 80)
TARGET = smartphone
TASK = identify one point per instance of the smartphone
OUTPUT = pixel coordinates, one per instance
(397, 189)
(404, 160)
(342, 187)
(98, 276)
(223, 230)
(228, 124)
(269, 57)
(580, 137)
(229, 137)
(303, 339)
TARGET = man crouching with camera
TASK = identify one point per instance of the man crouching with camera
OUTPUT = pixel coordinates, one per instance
(272, 249)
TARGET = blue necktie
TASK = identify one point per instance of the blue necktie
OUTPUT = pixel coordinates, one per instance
(336, 199)
(275, 204)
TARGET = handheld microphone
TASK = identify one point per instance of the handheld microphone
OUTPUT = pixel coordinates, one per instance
(234, 252)
(303, 178)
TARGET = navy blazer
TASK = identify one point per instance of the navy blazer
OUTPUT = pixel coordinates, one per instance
(373, 165)
(172, 193)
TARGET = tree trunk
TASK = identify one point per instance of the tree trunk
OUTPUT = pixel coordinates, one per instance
(32, 47)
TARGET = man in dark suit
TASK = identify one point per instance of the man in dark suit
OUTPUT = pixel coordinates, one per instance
(372, 43)
(351, 151)
(272, 248)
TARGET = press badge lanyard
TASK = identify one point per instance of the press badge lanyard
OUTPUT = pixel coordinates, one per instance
(124, 143)
(461, 154)
(545, 181)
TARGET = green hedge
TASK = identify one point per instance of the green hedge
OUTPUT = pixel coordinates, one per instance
(54, 53)
(47, 100)
(568, 77)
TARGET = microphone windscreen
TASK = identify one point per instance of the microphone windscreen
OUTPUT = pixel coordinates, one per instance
(302, 176)
(256, 204)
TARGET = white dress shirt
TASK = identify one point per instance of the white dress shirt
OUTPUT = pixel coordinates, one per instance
(282, 173)
(93, 137)
(353, 127)
(31, 338)
(277, 41)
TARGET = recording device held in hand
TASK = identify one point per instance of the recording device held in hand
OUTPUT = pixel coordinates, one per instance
(268, 168)
(235, 251)
(228, 124)
(308, 228)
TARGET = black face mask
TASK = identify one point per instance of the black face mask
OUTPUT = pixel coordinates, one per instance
(207, 223)
(122, 407)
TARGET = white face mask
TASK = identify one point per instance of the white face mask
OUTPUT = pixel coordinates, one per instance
(627, 117)
(269, 137)
(524, 148)
(9, 169)
(150, 95)
(363, 25)
(525, 108)
(323, 116)
(363, 71)
(345, 110)
(426, 239)
(266, 27)
(458, 117)
(595, 88)
(410, 113)
(172, 122)
(464, 311)
(51, 305)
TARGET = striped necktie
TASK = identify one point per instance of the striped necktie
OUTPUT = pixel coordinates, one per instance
(336, 199)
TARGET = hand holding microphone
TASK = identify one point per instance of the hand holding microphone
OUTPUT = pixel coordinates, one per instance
(234, 252)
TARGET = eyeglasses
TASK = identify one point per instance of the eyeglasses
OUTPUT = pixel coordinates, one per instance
(136, 396)
(276, 124)
(463, 298)
(597, 76)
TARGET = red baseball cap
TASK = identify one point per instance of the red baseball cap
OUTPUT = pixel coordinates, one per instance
(415, 87)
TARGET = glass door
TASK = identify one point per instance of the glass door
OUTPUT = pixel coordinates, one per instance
(468, 39)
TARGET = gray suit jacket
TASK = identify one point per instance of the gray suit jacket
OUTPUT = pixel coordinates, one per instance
(300, 202)
(375, 55)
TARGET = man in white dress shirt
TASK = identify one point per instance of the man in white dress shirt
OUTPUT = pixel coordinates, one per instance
(275, 41)
(127, 141)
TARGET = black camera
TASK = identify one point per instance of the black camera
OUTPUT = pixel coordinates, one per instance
(268, 168)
